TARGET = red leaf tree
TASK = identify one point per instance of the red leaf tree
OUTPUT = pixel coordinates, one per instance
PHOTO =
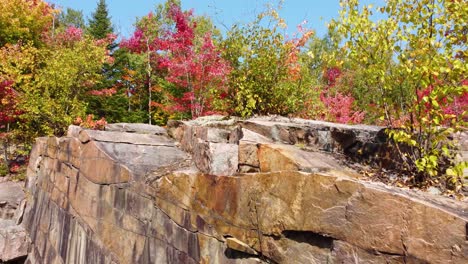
(339, 105)
(8, 111)
(8, 114)
(199, 71)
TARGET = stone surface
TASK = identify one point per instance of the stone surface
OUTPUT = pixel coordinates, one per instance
(346, 253)
(276, 157)
(355, 141)
(11, 195)
(136, 128)
(14, 241)
(218, 190)
(73, 131)
(369, 216)
(237, 245)
(124, 137)
(216, 158)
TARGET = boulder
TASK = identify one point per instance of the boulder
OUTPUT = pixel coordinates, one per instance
(11, 195)
(13, 241)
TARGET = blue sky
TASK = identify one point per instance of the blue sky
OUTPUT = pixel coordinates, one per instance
(227, 12)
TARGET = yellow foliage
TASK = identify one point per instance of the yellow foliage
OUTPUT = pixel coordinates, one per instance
(24, 20)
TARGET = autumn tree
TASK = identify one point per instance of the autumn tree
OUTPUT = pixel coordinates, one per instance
(48, 72)
(180, 61)
(24, 20)
(268, 76)
(200, 71)
(114, 97)
(143, 44)
(8, 111)
(8, 115)
(413, 64)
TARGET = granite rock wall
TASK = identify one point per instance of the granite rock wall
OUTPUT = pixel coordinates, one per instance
(216, 190)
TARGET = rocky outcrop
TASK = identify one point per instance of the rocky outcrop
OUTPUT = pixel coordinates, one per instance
(13, 238)
(218, 190)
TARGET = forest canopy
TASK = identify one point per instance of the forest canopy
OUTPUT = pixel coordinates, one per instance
(406, 71)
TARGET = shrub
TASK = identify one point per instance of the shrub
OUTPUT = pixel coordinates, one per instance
(3, 169)
(411, 63)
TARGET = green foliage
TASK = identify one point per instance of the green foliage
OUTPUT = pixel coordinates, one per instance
(114, 108)
(52, 96)
(205, 25)
(100, 24)
(20, 176)
(455, 174)
(50, 74)
(3, 169)
(412, 64)
(267, 75)
(71, 17)
(69, 74)
(318, 48)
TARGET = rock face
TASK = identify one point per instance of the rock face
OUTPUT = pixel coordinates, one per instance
(217, 190)
(13, 238)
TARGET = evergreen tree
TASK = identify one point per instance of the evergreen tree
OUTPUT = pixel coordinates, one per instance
(117, 106)
(100, 23)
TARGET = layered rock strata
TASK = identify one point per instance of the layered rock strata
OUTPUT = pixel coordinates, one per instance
(217, 190)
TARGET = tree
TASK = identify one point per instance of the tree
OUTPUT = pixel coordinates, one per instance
(108, 98)
(317, 48)
(169, 45)
(8, 112)
(24, 20)
(200, 72)
(100, 25)
(71, 17)
(51, 81)
(49, 73)
(268, 71)
(413, 63)
(143, 43)
(8, 115)
(116, 97)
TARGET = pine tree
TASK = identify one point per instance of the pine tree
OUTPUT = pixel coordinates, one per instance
(100, 23)
(114, 108)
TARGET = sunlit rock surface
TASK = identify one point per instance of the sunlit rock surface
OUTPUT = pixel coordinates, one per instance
(217, 190)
